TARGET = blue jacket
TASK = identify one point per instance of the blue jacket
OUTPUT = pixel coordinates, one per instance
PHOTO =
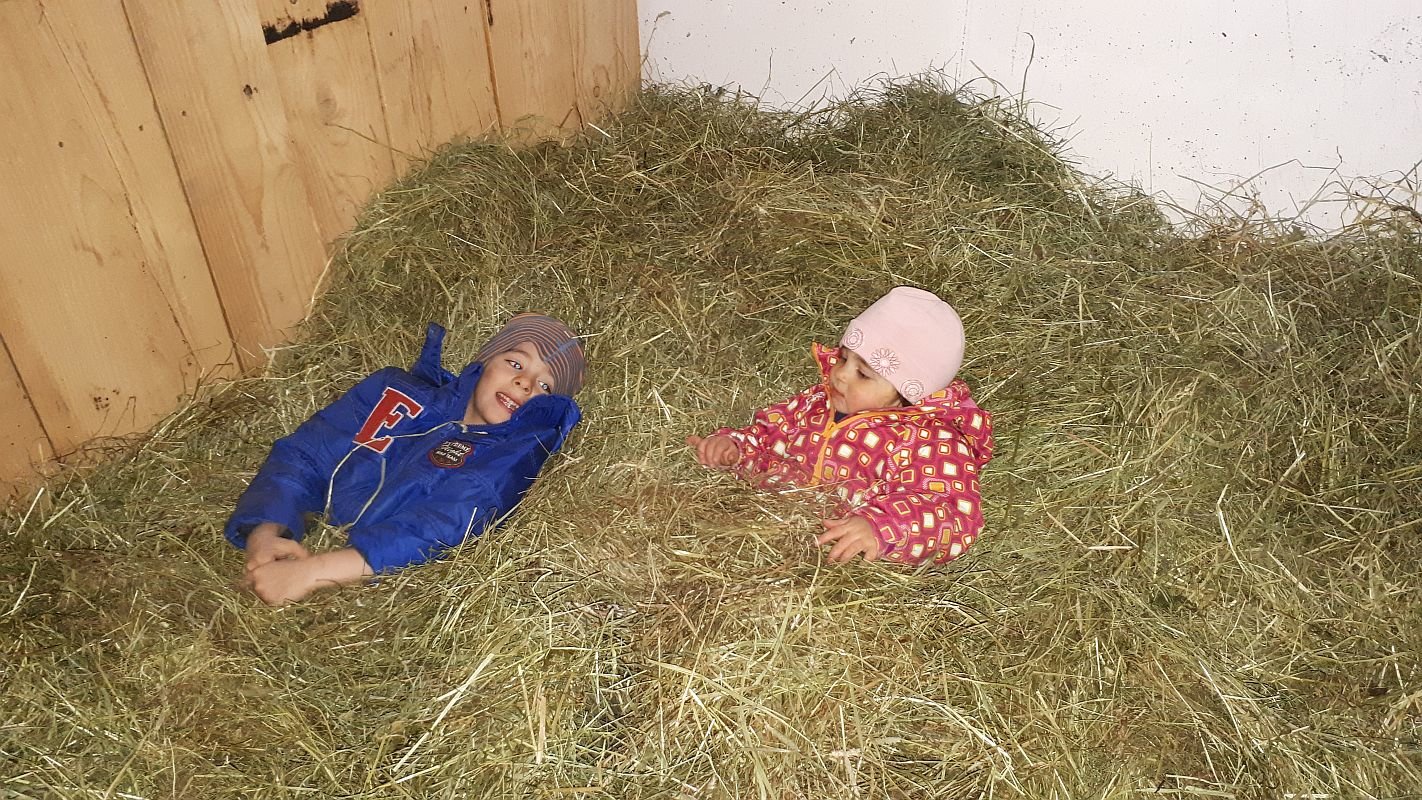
(393, 459)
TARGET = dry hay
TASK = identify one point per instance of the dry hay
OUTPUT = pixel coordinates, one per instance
(1200, 569)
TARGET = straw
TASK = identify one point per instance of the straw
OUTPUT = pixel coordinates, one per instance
(1198, 577)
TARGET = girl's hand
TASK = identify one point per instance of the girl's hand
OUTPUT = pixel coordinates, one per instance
(852, 536)
(265, 544)
(717, 452)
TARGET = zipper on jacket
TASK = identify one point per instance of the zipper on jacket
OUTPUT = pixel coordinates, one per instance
(832, 427)
(380, 484)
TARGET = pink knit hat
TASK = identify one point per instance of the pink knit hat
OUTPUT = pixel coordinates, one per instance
(910, 337)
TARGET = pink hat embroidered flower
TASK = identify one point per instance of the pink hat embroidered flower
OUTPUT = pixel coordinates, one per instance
(853, 338)
(884, 361)
(911, 390)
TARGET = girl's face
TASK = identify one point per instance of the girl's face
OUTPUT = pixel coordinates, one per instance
(855, 387)
(508, 381)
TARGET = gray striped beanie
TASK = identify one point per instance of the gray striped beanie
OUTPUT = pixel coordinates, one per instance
(556, 343)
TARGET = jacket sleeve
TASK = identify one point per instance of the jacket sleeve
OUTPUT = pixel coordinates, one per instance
(465, 503)
(294, 479)
(766, 441)
(931, 507)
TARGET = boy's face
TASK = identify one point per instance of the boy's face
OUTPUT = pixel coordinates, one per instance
(854, 386)
(508, 381)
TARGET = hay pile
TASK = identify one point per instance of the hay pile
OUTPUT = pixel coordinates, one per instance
(1199, 577)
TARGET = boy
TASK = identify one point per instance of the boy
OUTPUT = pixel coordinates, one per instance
(414, 462)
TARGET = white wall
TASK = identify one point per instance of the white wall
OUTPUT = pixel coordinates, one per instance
(1298, 97)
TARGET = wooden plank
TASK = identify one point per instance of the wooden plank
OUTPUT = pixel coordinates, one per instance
(607, 63)
(433, 63)
(220, 102)
(24, 446)
(531, 45)
(104, 63)
(91, 322)
(328, 83)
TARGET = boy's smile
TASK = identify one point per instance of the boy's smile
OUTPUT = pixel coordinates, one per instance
(508, 381)
(854, 386)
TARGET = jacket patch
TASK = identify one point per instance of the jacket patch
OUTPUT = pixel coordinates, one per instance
(393, 407)
(451, 453)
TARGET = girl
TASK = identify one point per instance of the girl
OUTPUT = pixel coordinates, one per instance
(888, 430)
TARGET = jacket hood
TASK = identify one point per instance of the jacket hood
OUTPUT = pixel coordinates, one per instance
(544, 411)
(953, 406)
(429, 365)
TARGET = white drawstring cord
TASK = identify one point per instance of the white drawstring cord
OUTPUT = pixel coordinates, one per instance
(331, 484)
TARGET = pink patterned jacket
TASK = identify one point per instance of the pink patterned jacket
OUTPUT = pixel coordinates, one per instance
(911, 471)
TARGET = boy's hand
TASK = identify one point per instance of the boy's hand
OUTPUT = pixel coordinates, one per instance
(852, 536)
(289, 580)
(265, 544)
(283, 581)
(717, 452)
